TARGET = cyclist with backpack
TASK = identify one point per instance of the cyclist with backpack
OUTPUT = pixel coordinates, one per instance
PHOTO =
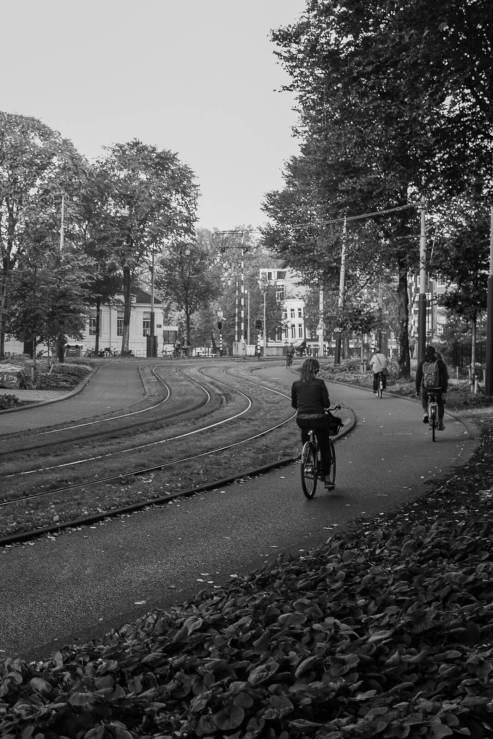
(432, 373)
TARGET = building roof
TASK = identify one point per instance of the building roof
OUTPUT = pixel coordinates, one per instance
(143, 297)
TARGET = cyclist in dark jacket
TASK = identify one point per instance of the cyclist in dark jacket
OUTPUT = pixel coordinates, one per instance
(310, 397)
(431, 356)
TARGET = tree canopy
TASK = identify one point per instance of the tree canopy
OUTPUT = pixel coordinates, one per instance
(395, 104)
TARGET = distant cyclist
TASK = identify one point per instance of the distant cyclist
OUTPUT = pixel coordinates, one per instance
(289, 355)
(310, 397)
(432, 373)
(378, 365)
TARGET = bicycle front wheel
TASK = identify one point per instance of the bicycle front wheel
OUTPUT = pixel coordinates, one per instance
(309, 470)
(331, 477)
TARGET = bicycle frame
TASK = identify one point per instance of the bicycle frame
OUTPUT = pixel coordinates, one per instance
(432, 412)
(311, 464)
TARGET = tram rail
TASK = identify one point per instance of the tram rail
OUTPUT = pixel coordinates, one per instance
(52, 487)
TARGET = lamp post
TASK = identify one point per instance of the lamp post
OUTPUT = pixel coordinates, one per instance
(153, 352)
(422, 283)
(263, 284)
(489, 324)
(340, 302)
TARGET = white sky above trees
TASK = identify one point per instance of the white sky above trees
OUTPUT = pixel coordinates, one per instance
(198, 77)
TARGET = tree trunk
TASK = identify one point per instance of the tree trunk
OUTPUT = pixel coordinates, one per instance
(3, 301)
(187, 331)
(60, 348)
(403, 317)
(127, 309)
(98, 324)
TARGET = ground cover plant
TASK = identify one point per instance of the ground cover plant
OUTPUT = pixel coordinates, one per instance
(385, 631)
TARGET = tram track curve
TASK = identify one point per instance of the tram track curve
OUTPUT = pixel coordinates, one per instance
(122, 478)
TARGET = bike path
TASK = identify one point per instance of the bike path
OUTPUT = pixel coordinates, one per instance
(81, 583)
(113, 386)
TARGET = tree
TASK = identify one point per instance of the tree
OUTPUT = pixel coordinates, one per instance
(48, 301)
(151, 201)
(395, 102)
(461, 257)
(185, 276)
(36, 166)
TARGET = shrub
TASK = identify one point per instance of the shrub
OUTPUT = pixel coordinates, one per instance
(8, 401)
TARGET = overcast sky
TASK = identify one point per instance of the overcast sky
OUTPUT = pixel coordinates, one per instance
(198, 77)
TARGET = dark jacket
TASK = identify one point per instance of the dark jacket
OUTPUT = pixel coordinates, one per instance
(310, 397)
(442, 374)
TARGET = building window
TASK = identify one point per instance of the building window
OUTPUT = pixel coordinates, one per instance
(300, 312)
(92, 326)
(281, 275)
(300, 330)
(280, 294)
(284, 314)
(293, 332)
(292, 313)
(146, 324)
(119, 325)
(169, 337)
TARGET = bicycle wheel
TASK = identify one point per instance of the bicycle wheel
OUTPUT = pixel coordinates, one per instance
(331, 477)
(433, 422)
(309, 469)
(380, 389)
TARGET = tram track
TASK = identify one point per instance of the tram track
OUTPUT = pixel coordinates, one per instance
(180, 402)
(137, 483)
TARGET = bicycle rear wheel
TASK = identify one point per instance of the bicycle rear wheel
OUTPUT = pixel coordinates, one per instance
(331, 477)
(309, 469)
(433, 422)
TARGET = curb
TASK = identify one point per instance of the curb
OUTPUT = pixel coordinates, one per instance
(75, 391)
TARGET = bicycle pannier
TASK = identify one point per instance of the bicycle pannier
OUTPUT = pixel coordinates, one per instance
(431, 376)
(335, 424)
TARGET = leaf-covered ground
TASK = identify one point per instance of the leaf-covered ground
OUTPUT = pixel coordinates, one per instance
(385, 631)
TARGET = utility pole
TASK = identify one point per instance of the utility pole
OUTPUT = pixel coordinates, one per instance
(321, 321)
(153, 347)
(489, 335)
(422, 284)
(340, 302)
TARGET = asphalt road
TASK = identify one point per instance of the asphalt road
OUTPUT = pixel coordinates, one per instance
(81, 583)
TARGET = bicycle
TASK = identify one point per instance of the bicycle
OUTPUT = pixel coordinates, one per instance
(311, 462)
(431, 394)
(380, 384)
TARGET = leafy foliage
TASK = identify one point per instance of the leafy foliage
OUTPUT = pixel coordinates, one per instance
(384, 631)
(395, 102)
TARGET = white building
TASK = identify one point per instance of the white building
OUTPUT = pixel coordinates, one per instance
(290, 294)
(111, 329)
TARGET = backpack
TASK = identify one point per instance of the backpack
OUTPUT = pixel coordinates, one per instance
(431, 374)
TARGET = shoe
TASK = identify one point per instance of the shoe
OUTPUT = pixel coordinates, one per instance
(425, 418)
(329, 485)
(441, 427)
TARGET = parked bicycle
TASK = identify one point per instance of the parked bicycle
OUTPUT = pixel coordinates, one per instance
(311, 461)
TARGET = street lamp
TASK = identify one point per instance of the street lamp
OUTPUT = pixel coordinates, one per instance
(153, 352)
(263, 285)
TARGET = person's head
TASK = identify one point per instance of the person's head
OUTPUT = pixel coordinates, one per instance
(309, 369)
(430, 353)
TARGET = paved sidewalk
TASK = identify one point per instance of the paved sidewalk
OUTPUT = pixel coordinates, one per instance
(113, 386)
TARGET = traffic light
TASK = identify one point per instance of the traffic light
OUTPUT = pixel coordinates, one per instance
(258, 325)
(219, 325)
